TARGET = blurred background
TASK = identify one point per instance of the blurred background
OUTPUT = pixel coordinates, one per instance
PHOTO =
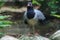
(12, 11)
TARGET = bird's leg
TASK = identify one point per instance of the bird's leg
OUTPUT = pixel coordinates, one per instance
(33, 29)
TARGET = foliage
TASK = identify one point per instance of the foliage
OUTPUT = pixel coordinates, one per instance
(35, 2)
(3, 17)
(1, 3)
(1, 34)
(4, 24)
(52, 6)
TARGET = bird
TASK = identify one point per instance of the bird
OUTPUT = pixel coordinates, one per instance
(33, 14)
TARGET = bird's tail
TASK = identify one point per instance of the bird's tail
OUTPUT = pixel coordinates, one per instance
(43, 21)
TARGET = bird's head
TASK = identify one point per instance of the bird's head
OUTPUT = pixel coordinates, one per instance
(29, 5)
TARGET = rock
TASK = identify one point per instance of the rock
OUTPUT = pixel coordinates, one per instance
(7, 37)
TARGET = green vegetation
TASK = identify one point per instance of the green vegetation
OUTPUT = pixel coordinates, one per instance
(1, 4)
(4, 24)
(52, 6)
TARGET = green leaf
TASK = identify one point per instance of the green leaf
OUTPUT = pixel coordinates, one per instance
(3, 17)
(5, 22)
(35, 2)
(4, 26)
(58, 16)
(53, 12)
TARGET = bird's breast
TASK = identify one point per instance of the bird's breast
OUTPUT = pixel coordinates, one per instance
(30, 15)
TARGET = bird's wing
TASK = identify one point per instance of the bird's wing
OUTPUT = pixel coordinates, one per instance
(40, 15)
(25, 15)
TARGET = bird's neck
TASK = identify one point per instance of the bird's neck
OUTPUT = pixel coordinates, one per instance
(29, 8)
(30, 14)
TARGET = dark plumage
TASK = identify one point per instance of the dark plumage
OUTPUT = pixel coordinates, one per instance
(35, 14)
(30, 11)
